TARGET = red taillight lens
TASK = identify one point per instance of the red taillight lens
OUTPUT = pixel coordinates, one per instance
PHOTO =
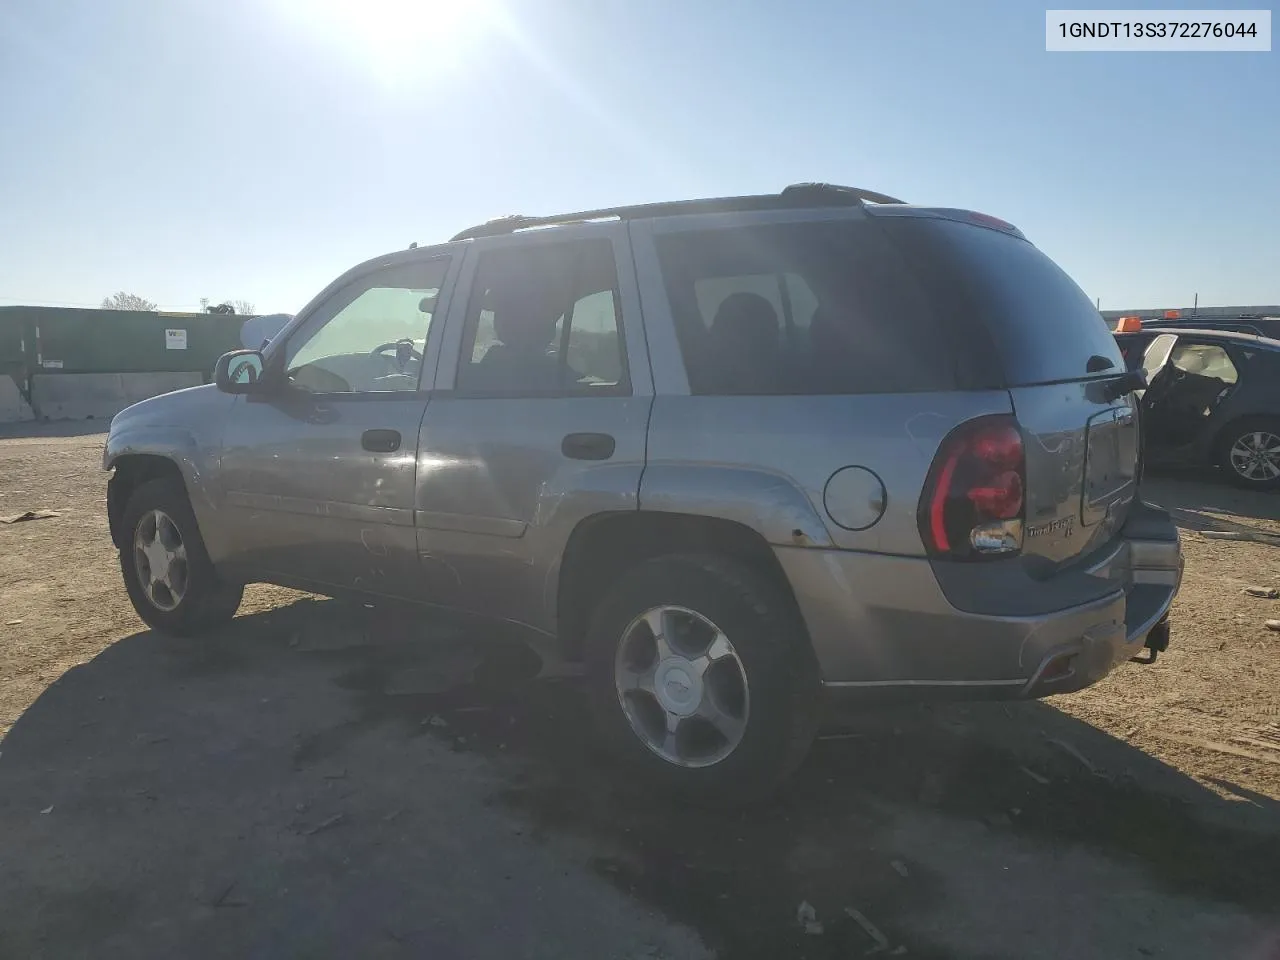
(973, 502)
(1001, 499)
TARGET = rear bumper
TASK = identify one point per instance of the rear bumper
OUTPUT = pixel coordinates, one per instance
(886, 627)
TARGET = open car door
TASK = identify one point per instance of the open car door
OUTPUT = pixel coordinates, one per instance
(1186, 380)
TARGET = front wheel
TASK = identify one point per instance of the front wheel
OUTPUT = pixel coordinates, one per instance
(171, 581)
(703, 678)
(1250, 453)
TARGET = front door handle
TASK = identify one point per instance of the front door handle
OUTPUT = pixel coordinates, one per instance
(588, 446)
(380, 441)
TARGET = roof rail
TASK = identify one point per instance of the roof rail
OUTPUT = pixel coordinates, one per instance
(795, 195)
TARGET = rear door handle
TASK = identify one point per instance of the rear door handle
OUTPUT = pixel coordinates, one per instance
(588, 446)
(380, 441)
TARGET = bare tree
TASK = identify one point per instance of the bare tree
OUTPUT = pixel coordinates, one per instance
(244, 307)
(127, 301)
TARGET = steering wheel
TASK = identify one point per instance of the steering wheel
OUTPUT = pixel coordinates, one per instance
(396, 345)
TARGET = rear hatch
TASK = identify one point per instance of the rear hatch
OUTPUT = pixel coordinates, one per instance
(1033, 331)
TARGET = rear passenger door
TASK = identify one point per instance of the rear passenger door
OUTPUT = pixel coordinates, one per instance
(538, 419)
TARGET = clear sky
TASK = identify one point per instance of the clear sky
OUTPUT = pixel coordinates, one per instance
(255, 149)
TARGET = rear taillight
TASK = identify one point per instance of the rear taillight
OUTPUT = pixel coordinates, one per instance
(974, 498)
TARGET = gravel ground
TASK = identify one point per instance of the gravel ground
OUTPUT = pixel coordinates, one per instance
(318, 780)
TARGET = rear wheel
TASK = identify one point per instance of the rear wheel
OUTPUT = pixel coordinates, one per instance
(702, 676)
(1250, 453)
(171, 581)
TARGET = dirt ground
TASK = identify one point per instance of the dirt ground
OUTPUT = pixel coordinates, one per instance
(320, 780)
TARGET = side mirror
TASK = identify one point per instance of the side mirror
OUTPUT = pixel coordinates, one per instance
(240, 371)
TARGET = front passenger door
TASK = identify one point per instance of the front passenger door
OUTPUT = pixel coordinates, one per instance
(318, 475)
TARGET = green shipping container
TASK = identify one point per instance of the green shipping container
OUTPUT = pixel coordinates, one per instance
(60, 339)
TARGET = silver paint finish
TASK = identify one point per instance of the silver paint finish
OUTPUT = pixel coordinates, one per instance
(496, 498)
(1082, 454)
(475, 508)
(765, 461)
(855, 498)
(184, 427)
(304, 500)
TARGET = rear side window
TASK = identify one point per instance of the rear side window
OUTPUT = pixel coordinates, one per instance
(544, 321)
(1043, 327)
(802, 308)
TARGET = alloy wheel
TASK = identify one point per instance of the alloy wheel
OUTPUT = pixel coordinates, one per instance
(1256, 456)
(160, 557)
(682, 686)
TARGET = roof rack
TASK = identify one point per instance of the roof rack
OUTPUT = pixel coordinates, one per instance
(796, 195)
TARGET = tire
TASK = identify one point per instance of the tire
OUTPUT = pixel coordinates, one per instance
(200, 600)
(1243, 437)
(775, 714)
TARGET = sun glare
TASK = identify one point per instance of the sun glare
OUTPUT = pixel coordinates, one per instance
(398, 41)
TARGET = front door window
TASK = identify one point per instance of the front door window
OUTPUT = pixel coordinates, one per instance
(371, 336)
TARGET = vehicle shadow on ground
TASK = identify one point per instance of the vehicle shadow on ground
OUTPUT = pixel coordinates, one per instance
(183, 723)
(1199, 499)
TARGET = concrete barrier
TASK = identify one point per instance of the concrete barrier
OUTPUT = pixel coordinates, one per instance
(99, 396)
(13, 406)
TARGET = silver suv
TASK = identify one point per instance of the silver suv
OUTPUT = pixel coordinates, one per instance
(738, 456)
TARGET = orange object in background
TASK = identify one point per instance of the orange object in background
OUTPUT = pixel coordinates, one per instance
(1128, 325)
(1172, 314)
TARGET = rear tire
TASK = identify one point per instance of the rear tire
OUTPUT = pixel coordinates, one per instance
(171, 581)
(1250, 453)
(735, 676)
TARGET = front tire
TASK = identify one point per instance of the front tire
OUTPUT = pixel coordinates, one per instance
(1250, 453)
(167, 572)
(702, 677)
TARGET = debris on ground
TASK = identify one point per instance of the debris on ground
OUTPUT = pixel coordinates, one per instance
(12, 623)
(1264, 593)
(1037, 777)
(47, 810)
(1255, 536)
(807, 917)
(29, 515)
(899, 867)
(222, 899)
(870, 929)
(1271, 624)
(1072, 751)
(333, 821)
(434, 721)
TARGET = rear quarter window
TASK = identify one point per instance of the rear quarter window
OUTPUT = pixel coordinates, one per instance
(1040, 324)
(802, 308)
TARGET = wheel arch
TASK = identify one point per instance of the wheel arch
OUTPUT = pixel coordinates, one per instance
(1223, 434)
(604, 546)
(131, 471)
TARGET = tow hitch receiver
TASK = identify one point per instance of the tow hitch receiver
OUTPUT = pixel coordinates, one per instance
(1157, 642)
